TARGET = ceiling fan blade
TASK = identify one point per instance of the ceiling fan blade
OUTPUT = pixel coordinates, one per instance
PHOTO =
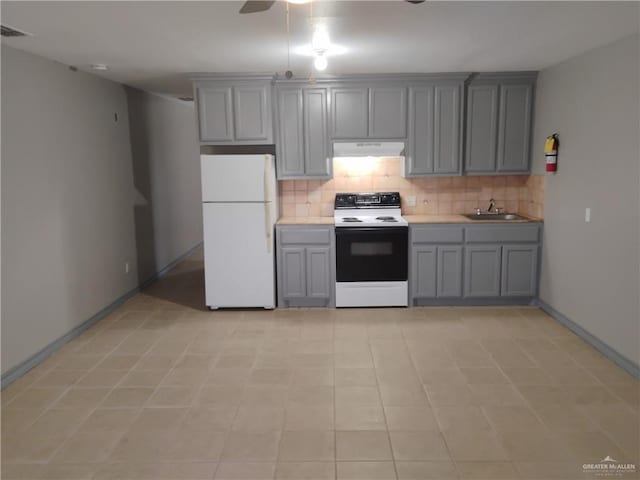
(255, 6)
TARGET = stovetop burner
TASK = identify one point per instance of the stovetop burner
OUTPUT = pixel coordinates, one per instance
(387, 219)
(351, 219)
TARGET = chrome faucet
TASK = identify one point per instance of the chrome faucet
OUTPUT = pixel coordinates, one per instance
(492, 204)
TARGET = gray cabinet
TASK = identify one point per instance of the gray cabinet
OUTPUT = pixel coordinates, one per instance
(303, 144)
(519, 270)
(434, 142)
(305, 266)
(435, 262)
(471, 264)
(499, 119)
(349, 113)
(234, 112)
(388, 112)
(482, 271)
(378, 112)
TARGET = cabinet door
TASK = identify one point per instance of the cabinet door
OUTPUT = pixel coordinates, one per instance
(424, 264)
(316, 141)
(387, 112)
(420, 142)
(446, 138)
(514, 130)
(252, 115)
(349, 113)
(482, 125)
(519, 270)
(482, 271)
(449, 271)
(294, 272)
(290, 121)
(318, 272)
(215, 114)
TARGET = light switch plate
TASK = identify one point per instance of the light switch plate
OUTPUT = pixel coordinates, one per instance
(587, 215)
(411, 200)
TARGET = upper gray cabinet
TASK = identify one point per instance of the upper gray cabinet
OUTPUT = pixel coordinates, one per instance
(378, 112)
(234, 111)
(499, 114)
(303, 143)
(434, 143)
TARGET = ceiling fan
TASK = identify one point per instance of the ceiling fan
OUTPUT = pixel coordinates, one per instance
(255, 6)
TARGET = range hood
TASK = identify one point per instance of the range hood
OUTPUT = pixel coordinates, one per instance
(368, 149)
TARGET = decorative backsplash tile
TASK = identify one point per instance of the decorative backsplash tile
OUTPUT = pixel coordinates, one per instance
(445, 195)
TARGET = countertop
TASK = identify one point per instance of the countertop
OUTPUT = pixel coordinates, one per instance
(412, 219)
(305, 221)
(455, 218)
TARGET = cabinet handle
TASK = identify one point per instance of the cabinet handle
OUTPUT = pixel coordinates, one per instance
(267, 197)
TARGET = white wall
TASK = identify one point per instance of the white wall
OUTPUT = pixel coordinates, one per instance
(166, 169)
(590, 271)
(82, 194)
(67, 201)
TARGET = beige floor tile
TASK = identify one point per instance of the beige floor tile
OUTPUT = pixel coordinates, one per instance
(397, 377)
(77, 362)
(245, 471)
(172, 397)
(102, 378)
(59, 378)
(220, 395)
(450, 395)
(364, 446)
(17, 419)
(156, 362)
(159, 419)
(487, 470)
(30, 448)
(306, 471)
(56, 422)
(591, 395)
(588, 446)
(258, 419)
(74, 471)
(488, 395)
(80, 398)
(270, 376)
(535, 447)
(513, 418)
(143, 446)
(474, 446)
(265, 396)
(251, 446)
(527, 376)
(483, 375)
(36, 398)
(141, 378)
(109, 420)
(441, 470)
(568, 419)
(197, 362)
(214, 418)
(567, 470)
(310, 395)
(400, 396)
(118, 362)
(410, 418)
(228, 376)
(440, 376)
(357, 395)
(190, 445)
(546, 395)
(314, 376)
(25, 471)
(366, 471)
(307, 446)
(89, 447)
(235, 361)
(357, 359)
(157, 471)
(418, 446)
(185, 377)
(299, 417)
(461, 417)
(359, 417)
(127, 397)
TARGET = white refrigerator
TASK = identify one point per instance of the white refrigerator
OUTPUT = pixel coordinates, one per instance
(239, 209)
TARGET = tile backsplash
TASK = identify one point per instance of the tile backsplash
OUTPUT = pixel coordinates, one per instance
(434, 195)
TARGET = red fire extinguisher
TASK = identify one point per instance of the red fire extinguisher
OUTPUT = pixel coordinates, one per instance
(551, 152)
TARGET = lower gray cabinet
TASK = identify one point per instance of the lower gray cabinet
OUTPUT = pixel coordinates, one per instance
(482, 271)
(424, 266)
(305, 266)
(519, 270)
(449, 271)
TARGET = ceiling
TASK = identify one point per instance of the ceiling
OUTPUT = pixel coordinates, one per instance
(154, 45)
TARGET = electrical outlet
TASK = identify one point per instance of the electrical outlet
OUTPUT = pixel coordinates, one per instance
(411, 200)
(126, 267)
(587, 215)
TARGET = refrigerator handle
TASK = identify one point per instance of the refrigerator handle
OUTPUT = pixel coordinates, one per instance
(267, 200)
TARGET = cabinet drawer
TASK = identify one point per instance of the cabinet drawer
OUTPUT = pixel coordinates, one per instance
(306, 236)
(433, 234)
(503, 233)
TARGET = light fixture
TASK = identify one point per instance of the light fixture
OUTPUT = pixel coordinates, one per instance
(100, 67)
(298, 2)
(320, 63)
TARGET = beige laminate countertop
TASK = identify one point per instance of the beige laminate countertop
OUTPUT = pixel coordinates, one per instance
(305, 221)
(461, 219)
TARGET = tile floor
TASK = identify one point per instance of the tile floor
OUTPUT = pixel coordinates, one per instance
(162, 389)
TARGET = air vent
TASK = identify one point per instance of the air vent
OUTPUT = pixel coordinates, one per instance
(186, 99)
(7, 31)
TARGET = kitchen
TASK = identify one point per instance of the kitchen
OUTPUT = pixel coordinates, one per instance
(454, 347)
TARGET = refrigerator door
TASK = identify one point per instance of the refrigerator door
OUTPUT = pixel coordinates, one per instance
(237, 178)
(238, 255)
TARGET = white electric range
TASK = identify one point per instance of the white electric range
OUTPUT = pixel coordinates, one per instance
(371, 250)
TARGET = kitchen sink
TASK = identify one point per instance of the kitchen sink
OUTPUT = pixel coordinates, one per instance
(494, 216)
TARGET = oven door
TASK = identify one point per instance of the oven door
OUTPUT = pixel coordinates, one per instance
(371, 254)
